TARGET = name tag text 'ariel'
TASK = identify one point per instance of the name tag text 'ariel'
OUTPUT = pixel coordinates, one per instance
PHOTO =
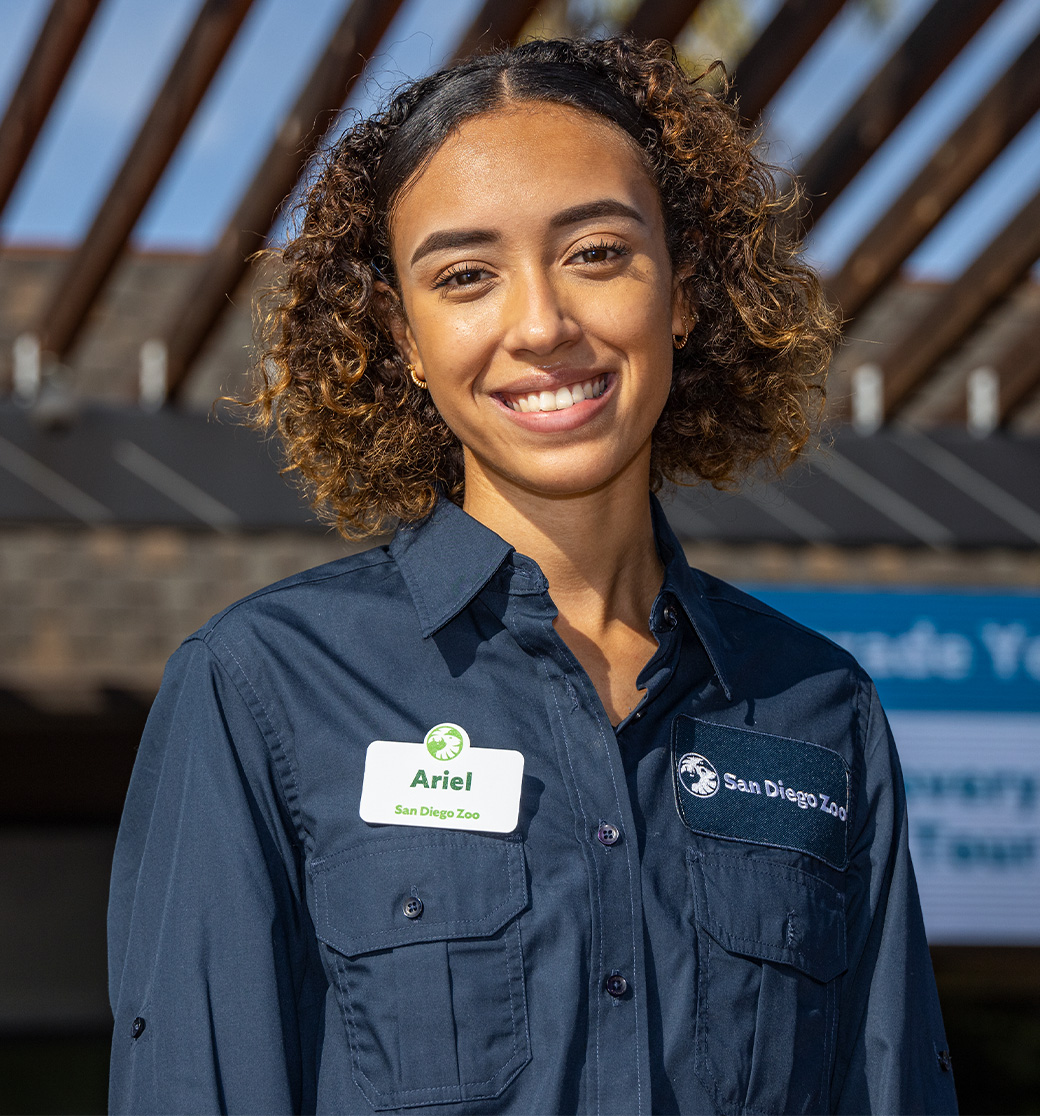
(443, 783)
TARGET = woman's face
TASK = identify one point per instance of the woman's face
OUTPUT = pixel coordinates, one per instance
(539, 299)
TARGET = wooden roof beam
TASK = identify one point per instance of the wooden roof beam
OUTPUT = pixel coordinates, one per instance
(996, 271)
(661, 19)
(772, 58)
(904, 79)
(351, 44)
(84, 278)
(958, 162)
(56, 47)
(498, 21)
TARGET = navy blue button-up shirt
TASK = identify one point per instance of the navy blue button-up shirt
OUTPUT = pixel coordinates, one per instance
(707, 908)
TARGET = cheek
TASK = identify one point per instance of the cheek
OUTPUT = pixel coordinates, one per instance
(458, 338)
(638, 314)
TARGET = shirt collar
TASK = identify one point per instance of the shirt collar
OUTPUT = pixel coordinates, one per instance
(448, 558)
(445, 560)
(684, 583)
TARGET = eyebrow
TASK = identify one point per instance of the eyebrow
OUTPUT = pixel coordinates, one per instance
(452, 238)
(589, 211)
(467, 238)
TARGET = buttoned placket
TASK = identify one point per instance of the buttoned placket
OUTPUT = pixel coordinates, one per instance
(591, 765)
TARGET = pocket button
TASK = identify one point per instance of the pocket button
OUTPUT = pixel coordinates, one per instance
(412, 907)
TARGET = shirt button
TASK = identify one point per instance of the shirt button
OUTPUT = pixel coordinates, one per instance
(944, 1060)
(137, 1028)
(412, 907)
(616, 985)
(608, 834)
(664, 619)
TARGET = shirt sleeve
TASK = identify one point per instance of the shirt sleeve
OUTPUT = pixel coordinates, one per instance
(892, 1054)
(214, 980)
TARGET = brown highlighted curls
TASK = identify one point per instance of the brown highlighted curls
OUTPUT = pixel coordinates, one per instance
(747, 387)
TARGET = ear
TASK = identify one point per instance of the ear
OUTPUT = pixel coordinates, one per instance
(684, 305)
(392, 312)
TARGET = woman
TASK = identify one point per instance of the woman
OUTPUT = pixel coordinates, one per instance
(520, 813)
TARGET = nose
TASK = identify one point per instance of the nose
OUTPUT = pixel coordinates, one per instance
(539, 319)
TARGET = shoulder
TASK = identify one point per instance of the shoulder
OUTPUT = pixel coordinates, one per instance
(747, 621)
(291, 644)
(356, 603)
(791, 680)
(352, 572)
(341, 585)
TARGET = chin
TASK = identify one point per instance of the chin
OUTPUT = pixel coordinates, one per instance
(570, 482)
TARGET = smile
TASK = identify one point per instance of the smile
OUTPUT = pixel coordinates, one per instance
(558, 400)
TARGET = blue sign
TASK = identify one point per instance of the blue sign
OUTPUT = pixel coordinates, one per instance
(967, 651)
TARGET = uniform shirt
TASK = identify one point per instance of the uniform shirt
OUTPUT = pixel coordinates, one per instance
(709, 908)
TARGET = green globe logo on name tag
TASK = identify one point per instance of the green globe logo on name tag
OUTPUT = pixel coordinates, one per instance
(445, 742)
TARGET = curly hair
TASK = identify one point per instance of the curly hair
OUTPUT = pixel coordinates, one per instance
(746, 388)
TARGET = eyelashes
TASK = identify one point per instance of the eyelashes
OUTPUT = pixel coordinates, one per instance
(469, 274)
(603, 246)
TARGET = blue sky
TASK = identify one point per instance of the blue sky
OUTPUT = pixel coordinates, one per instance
(132, 43)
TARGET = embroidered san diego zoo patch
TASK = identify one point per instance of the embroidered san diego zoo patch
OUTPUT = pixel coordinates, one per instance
(743, 785)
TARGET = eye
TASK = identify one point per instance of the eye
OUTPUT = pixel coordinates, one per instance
(604, 251)
(461, 275)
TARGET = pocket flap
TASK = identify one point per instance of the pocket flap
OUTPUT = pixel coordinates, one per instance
(757, 908)
(469, 885)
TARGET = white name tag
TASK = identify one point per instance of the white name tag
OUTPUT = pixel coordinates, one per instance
(443, 783)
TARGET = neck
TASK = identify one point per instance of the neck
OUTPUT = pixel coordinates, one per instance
(596, 549)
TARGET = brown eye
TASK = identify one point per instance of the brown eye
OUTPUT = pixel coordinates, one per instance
(600, 253)
(462, 277)
(470, 275)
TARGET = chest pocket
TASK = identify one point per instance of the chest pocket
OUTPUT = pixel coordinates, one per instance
(771, 945)
(424, 946)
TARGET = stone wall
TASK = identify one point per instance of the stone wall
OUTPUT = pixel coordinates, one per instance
(82, 610)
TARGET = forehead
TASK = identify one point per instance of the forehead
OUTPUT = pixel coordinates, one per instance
(524, 158)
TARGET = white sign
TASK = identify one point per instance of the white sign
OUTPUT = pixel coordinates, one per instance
(973, 805)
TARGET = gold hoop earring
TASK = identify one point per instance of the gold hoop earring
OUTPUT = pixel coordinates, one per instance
(680, 342)
(415, 379)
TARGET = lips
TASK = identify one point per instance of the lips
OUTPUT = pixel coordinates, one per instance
(557, 399)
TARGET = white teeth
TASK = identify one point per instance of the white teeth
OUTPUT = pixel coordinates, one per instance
(560, 399)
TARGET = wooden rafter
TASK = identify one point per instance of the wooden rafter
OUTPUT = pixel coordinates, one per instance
(498, 21)
(56, 47)
(996, 271)
(958, 162)
(661, 19)
(190, 76)
(771, 59)
(354, 40)
(904, 79)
